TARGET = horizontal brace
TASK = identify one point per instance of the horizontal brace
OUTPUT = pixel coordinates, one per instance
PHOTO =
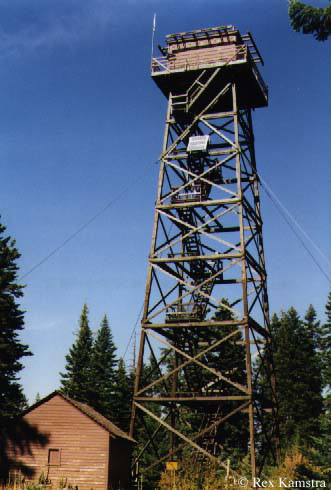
(230, 281)
(211, 153)
(214, 323)
(181, 399)
(252, 342)
(215, 202)
(192, 258)
(222, 229)
(218, 115)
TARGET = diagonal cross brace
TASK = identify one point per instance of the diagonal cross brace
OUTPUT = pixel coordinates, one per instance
(240, 387)
(200, 354)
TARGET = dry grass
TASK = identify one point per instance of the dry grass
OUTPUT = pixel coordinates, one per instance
(295, 467)
(195, 477)
(17, 481)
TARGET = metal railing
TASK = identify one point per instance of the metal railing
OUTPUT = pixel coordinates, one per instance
(259, 79)
(194, 193)
(183, 311)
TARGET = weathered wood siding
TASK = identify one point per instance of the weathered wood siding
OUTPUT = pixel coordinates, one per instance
(197, 57)
(83, 445)
(202, 51)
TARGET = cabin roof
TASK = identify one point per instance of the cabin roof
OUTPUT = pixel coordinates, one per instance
(87, 410)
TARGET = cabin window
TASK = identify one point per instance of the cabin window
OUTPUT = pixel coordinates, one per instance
(54, 457)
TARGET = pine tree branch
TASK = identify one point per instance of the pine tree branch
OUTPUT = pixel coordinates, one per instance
(310, 20)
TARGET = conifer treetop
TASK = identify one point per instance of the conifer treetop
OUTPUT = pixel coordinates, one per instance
(12, 399)
(76, 381)
(310, 20)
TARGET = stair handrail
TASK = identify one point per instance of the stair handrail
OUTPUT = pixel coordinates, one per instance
(239, 49)
(204, 301)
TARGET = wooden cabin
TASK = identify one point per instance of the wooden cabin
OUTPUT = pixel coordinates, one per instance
(83, 448)
(203, 48)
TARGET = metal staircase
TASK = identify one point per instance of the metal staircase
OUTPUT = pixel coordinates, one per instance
(199, 272)
(200, 299)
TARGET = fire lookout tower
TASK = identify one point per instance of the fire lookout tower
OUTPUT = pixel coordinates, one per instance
(205, 340)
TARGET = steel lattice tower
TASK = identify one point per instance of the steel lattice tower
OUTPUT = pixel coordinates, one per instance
(206, 292)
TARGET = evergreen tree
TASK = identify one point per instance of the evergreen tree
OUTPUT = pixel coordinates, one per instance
(12, 399)
(313, 327)
(321, 453)
(309, 19)
(298, 374)
(77, 381)
(325, 348)
(321, 337)
(103, 369)
(123, 393)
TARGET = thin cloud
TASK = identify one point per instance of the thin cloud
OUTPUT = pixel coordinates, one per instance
(33, 25)
(37, 326)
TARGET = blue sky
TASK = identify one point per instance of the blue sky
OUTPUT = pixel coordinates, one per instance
(81, 124)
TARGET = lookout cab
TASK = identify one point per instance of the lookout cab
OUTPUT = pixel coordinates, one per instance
(195, 60)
